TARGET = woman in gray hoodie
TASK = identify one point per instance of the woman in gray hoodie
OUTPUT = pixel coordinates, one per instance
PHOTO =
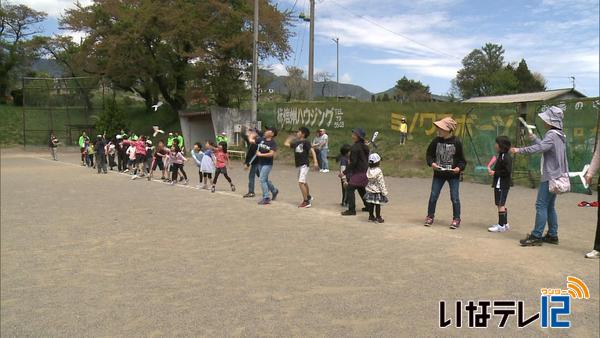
(554, 159)
(594, 166)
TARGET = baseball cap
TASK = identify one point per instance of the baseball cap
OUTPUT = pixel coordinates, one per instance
(374, 158)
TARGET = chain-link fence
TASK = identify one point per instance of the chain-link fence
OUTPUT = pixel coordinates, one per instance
(60, 105)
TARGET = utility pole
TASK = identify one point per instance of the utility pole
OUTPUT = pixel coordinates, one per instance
(337, 68)
(572, 81)
(311, 52)
(255, 65)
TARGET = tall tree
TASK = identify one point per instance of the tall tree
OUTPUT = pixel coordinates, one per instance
(165, 46)
(485, 73)
(296, 84)
(411, 90)
(17, 24)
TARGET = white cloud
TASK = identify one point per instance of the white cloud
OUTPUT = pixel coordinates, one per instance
(278, 69)
(346, 78)
(54, 8)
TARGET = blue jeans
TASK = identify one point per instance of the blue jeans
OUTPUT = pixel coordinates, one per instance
(266, 185)
(545, 212)
(436, 188)
(252, 171)
(324, 162)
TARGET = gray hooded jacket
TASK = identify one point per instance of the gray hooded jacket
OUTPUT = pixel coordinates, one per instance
(554, 154)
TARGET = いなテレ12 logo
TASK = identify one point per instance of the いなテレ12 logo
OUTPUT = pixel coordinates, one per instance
(555, 308)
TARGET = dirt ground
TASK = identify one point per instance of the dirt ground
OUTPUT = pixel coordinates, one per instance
(100, 255)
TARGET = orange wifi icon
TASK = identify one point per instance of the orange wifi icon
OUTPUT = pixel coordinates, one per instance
(577, 288)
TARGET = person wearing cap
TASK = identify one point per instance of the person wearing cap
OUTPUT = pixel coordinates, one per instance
(403, 131)
(589, 176)
(82, 139)
(53, 145)
(266, 150)
(356, 171)
(445, 155)
(222, 137)
(555, 166)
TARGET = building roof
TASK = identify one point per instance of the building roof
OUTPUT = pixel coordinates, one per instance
(525, 97)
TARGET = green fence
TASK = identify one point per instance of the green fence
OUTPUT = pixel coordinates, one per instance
(478, 126)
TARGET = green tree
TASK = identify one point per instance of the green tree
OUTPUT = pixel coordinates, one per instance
(156, 47)
(112, 119)
(296, 84)
(411, 90)
(17, 24)
(485, 73)
(372, 98)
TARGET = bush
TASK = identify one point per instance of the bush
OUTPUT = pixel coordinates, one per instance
(17, 97)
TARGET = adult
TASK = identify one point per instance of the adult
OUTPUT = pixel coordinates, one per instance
(266, 150)
(121, 152)
(595, 253)
(179, 138)
(53, 145)
(251, 161)
(82, 139)
(356, 171)
(170, 139)
(100, 149)
(323, 147)
(403, 131)
(222, 137)
(555, 166)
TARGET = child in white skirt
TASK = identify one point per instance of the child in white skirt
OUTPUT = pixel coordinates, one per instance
(376, 191)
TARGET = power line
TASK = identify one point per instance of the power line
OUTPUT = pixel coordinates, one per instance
(393, 32)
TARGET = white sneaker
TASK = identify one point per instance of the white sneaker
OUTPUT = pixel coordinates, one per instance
(133, 177)
(594, 254)
(320, 170)
(325, 170)
(499, 228)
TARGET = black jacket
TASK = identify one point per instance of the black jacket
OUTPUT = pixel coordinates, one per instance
(446, 152)
(358, 159)
(502, 171)
(250, 152)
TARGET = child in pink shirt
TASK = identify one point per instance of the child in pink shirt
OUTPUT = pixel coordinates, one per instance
(222, 160)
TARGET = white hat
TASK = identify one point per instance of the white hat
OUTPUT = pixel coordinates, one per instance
(119, 137)
(374, 158)
(553, 116)
(148, 142)
(223, 133)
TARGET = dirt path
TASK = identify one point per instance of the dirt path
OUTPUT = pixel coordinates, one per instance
(100, 255)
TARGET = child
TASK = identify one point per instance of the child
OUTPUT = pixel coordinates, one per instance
(208, 163)
(376, 191)
(160, 155)
(131, 155)
(445, 155)
(197, 155)
(148, 159)
(344, 151)
(302, 149)
(90, 154)
(501, 184)
(177, 159)
(221, 165)
(111, 151)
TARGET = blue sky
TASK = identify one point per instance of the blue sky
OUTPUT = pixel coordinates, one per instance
(383, 40)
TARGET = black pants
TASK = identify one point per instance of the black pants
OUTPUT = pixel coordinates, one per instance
(183, 172)
(597, 240)
(344, 193)
(218, 172)
(121, 161)
(111, 161)
(350, 198)
(374, 207)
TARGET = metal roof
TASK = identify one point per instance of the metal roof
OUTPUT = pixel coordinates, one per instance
(525, 97)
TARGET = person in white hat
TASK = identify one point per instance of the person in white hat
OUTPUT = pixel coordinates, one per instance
(555, 166)
(376, 194)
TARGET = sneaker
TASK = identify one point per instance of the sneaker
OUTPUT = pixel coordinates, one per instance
(499, 228)
(349, 213)
(310, 198)
(212, 189)
(126, 170)
(275, 195)
(132, 177)
(428, 221)
(372, 219)
(325, 170)
(455, 223)
(149, 178)
(264, 201)
(594, 254)
(320, 170)
(249, 195)
(185, 182)
(172, 183)
(380, 219)
(305, 204)
(550, 239)
(232, 187)
(531, 240)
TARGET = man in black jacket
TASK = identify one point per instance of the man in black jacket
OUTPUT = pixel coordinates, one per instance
(251, 161)
(356, 171)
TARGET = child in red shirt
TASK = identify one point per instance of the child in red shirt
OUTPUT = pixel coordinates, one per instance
(221, 165)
